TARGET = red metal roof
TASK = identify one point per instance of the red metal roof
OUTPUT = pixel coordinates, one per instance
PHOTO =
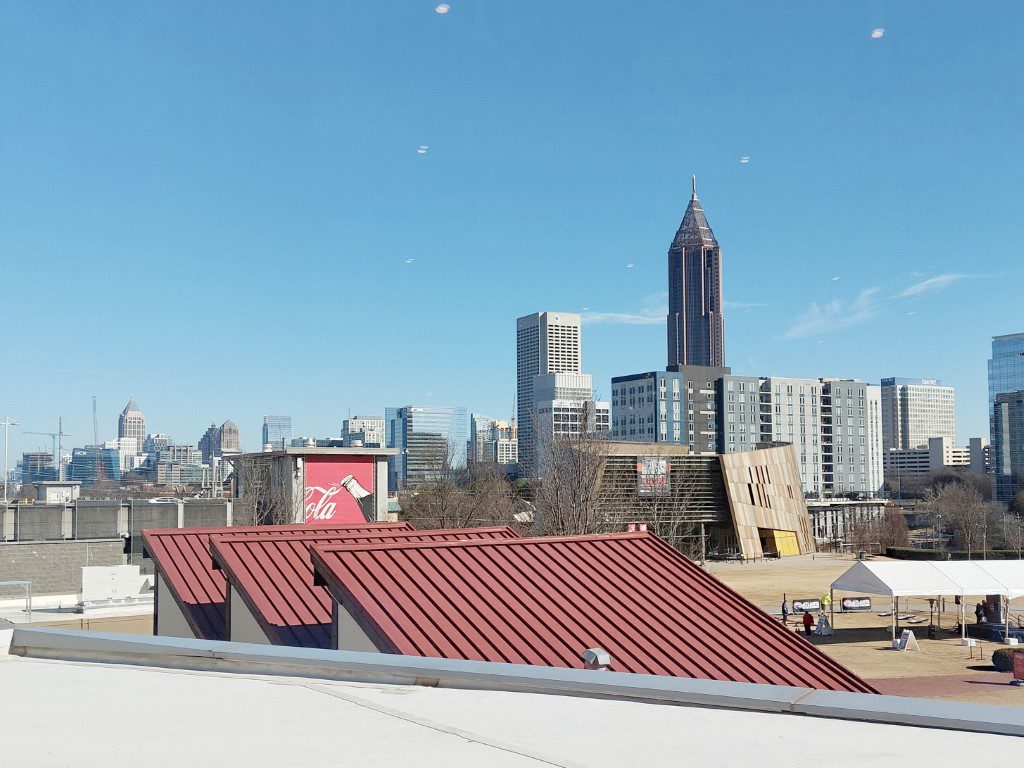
(545, 600)
(182, 556)
(275, 576)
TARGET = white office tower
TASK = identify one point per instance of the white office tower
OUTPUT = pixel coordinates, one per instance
(915, 410)
(546, 342)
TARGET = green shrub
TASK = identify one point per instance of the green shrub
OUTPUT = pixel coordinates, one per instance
(1002, 658)
(909, 553)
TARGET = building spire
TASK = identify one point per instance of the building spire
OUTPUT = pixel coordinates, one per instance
(694, 187)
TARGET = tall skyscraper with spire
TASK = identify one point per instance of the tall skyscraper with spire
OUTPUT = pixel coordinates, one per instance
(131, 424)
(695, 330)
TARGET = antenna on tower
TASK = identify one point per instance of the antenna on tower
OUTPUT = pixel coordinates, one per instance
(95, 424)
(695, 186)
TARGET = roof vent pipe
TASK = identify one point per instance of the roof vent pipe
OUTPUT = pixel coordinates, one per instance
(596, 658)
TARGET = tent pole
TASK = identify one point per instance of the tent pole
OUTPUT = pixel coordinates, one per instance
(832, 609)
(894, 619)
(1006, 615)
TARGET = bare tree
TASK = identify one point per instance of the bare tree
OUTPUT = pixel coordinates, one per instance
(1013, 530)
(263, 499)
(963, 508)
(889, 530)
(570, 463)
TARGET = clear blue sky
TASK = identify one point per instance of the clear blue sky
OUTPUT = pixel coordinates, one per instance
(211, 205)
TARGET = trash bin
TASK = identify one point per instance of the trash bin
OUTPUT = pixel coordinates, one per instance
(862, 555)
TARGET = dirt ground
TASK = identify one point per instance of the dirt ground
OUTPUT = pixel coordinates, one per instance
(942, 669)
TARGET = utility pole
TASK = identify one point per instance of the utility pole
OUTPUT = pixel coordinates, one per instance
(8, 422)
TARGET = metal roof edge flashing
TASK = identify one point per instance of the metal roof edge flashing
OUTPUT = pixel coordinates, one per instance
(215, 656)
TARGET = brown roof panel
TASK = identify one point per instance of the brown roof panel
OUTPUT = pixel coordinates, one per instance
(275, 576)
(544, 601)
(182, 556)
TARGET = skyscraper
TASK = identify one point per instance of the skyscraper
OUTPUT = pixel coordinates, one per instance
(914, 410)
(367, 431)
(431, 440)
(1005, 368)
(277, 431)
(1008, 444)
(546, 342)
(132, 424)
(695, 329)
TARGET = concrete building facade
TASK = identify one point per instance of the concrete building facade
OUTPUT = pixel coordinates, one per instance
(367, 431)
(546, 342)
(916, 410)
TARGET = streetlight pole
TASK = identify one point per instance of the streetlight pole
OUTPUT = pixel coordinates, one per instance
(8, 422)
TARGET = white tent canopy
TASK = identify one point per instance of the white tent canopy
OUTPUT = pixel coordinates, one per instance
(930, 578)
(934, 578)
(896, 580)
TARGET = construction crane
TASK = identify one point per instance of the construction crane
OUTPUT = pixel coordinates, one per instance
(99, 471)
(57, 446)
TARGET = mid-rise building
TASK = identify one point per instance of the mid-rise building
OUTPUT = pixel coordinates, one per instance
(696, 334)
(155, 442)
(93, 465)
(1008, 444)
(679, 406)
(219, 441)
(129, 455)
(430, 440)
(899, 463)
(981, 454)
(277, 432)
(564, 407)
(546, 342)
(1005, 377)
(366, 431)
(37, 467)
(131, 424)
(492, 441)
(916, 410)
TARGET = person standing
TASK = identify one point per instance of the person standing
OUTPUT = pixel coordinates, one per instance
(785, 611)
(808, 623)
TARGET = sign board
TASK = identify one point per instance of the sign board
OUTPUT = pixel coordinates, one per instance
(823, 628)
(907, 641)
(813, 604)
(855, 604)
(653, 476)
(1018, 665)
(339, 489)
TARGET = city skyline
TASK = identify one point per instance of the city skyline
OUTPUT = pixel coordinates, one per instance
(844, 238)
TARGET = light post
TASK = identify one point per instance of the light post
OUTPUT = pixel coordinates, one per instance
(8, 422)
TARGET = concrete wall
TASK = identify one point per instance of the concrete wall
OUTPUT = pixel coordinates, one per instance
(54, 567)
(242, 625)
(168, 620)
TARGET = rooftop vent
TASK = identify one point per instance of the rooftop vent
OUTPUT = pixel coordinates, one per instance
(596, 658)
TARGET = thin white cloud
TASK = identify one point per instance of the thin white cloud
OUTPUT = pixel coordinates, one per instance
(653, 311)
(933, 284)
(835, 316)
(644, 317)
(745, 304)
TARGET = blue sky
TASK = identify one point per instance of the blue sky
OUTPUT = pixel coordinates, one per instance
(212, 206)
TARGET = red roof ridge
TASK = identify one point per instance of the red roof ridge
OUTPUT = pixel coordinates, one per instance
(254, 530)
(484, 542)
(334, 530)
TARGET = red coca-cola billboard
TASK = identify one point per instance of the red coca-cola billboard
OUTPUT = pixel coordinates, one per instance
(339, 489)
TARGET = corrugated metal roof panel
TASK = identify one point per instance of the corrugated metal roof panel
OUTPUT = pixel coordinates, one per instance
(182, 556)
(546, 600)
(275, 576)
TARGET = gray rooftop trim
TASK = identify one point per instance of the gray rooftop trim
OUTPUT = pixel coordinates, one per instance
(324, 451)
(74, 645)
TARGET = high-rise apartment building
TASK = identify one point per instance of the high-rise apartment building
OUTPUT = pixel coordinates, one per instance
(564, 407)
(367, 431)
(132, 424)
(546, 342)
(277, 432)
(1007, 451)
(678, 406)
(696, 334)
(916, 410)
(430, 439)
